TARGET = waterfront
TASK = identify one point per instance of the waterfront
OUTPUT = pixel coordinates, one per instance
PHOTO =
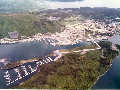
(28, 50)
(13, 77)
(19, 51)
(41, 45)
(111, 79)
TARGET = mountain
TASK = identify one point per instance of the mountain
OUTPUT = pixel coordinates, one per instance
(7, 6)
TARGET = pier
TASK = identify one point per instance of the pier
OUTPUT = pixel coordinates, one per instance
(27, 69)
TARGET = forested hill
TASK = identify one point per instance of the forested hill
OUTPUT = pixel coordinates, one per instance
(11, 6)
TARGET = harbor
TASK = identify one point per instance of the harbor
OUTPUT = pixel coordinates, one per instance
(61, 48)
(22, 51)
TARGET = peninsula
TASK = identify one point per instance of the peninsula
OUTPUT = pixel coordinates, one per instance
(74, 69)
(78, 67)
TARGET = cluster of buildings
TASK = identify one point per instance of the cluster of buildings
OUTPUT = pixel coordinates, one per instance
(91, 29)
(72, 33)
(52, 18)
(13, 37)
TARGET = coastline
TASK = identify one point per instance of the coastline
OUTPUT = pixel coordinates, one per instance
(104, 72)
(62, 38)
(58, 51)
(71, 34)
(118, 49)
(101, 76)
(86, 50)
(53, 40)
(15, 64)
(67, 53)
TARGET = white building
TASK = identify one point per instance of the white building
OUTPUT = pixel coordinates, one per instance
(13, 35)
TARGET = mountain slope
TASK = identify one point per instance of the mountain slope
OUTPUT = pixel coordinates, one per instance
(7, 6)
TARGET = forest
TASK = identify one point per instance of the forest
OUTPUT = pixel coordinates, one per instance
(72, 71)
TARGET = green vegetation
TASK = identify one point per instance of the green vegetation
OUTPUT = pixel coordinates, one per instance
(108, 53)
(91, 46)
(118, 46)
(26, 25)
(72, 71)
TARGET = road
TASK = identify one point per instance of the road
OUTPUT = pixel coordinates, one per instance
(87, 50)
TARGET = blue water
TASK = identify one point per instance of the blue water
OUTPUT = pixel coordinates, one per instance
(18, 51)
(111, 79)
(28, 50)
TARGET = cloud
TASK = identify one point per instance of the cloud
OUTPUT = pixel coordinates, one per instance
(65, 0)
(34, 5)
(84, 3)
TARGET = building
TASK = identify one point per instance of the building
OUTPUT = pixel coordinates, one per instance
(51, 18)
(13, 35)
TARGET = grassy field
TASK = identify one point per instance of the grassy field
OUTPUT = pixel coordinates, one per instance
(26, 24)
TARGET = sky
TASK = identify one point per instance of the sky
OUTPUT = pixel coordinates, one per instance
(35, 5)
(84, 3)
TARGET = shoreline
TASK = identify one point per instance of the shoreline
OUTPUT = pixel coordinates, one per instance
(60, 53)
(93, 50)
(101, 76)
(54, 40)
(71, 34)
(105, 71)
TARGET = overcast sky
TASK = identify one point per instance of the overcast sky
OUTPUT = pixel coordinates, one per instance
(84, 3)
(19, 5)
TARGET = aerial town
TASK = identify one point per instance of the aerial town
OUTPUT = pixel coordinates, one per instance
(58, 48)
(71, 33)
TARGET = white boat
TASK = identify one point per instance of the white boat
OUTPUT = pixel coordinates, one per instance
(50, 59)
(25, 70)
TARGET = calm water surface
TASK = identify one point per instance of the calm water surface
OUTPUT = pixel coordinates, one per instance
(18, 51)
(111, 79)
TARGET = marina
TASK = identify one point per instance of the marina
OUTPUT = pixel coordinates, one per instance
(17, 75)
(24, 68)
(85, 39)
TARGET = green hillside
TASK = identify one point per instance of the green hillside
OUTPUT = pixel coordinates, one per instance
(26, 24)
(72, 71)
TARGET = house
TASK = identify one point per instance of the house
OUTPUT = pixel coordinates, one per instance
(13, 35)
(52, 18)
